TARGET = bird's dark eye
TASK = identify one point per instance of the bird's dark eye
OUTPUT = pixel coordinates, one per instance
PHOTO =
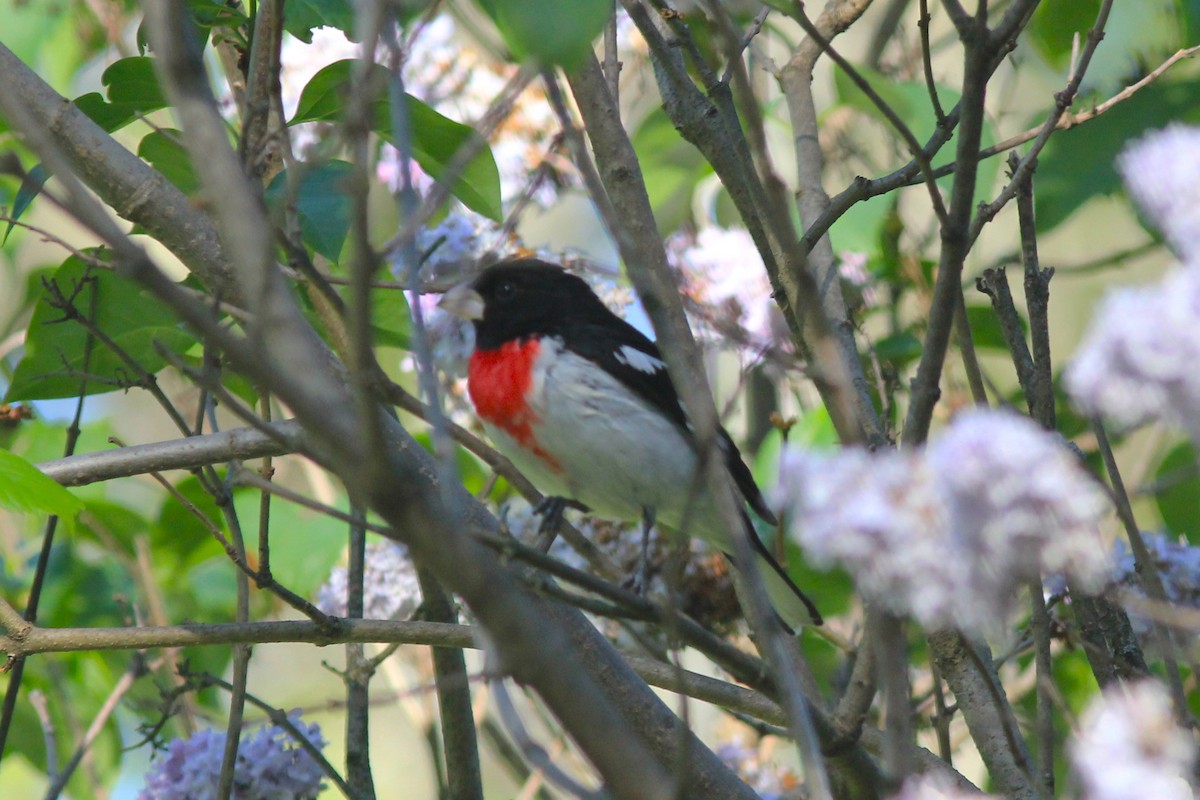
(505, 290)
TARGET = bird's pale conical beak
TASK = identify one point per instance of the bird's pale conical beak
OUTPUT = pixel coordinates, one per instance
(463, 301)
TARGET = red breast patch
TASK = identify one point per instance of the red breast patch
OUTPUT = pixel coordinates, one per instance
(498, 381)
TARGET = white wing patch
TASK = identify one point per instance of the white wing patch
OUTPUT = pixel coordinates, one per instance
(636, 359)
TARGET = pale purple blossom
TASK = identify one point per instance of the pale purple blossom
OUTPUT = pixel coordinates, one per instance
(270, 765)
(454, 240)
(852, 267)
(1176, 562)
(445, 69)
(934, 786)
(1138, 361)
(1178, 567)
(945, 534)
(1162, 173)
(390, 586)
(389, 170)
(1129, 746)
(769, 780)
(723, 276)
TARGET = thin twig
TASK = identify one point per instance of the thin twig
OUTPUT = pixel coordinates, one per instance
(1147, 568)
(135, 670)
(927, 64)
(359, 670)
(16, 667)
(1062, 101)
(280, 718)
(910, 140)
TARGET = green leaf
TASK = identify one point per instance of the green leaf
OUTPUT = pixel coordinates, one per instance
(321, 202)
(1179, 498)
(908, 99)
(435, 138)
(31, 187)
(180, 529)
(1077, 164)
(51, 37)
(133, 90)
(986, 330)
(390, 318)
(1055, 25)
(55, 348)
(305, 544)
(861, 228)
(300, 17)
(221, 20)
(164, 150)
(671, 166)
(1136, 34)
(25, 489)
(911, 103)
(899, 348)
(554, 32)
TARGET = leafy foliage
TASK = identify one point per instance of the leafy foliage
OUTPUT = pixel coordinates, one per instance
(136, 551)
(553, 32)
(61, 360)
(435, 141)
(25, 489)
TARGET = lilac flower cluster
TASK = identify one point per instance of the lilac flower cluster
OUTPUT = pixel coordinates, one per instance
(1162, 173)
(934, 787)
(770, 781)
(946, 533)
(270, 766)
(1178, 567)
(723, 276)
(390, 586)
(1129, 747)
(1137, 362)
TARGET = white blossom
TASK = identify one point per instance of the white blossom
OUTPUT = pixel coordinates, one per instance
(933, 786)
(769, 780)
(1138, 361)
(944, 534)
(270, 765)
(1162, 173)
(723, 275)
(390, 586)
(1129, 747)
(852, 266)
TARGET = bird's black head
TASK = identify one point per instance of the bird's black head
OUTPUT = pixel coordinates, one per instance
(522, 298)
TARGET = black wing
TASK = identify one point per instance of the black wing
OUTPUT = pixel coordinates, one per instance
(625, 352)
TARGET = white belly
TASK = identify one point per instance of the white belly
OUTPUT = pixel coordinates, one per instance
(613, 452)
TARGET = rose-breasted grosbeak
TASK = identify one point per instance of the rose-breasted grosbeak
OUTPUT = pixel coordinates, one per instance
(582, 404)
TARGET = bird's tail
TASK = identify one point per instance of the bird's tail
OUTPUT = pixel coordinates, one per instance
(794, 607)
